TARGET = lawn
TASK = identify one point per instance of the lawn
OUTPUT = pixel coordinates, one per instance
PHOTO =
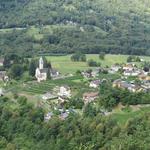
(123, 116)
(65, 65)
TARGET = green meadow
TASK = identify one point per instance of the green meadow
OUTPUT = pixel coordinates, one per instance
(65, 65)
(123, 116)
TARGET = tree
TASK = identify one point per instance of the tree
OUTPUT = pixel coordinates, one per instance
(75, 57)
(83, 57)
(16, 71)
(78, 56)
(48, 74)
(133, 59)
(89, 111)
(138, 59)
(32, 67)
(11, 146)
(130, 59)
(102, 55)
(49, 65)
(146, 66)
(93, 63)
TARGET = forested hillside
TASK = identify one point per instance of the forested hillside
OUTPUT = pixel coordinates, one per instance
(22, 127)
(65, 26)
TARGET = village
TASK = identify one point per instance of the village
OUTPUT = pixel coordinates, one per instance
(83, 87)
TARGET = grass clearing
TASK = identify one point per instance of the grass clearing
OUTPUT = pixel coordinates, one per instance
(65, 65)
(123, 116)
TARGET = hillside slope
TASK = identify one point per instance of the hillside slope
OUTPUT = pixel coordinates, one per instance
(64, 26)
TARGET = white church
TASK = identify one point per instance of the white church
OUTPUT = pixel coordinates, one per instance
(41, 73)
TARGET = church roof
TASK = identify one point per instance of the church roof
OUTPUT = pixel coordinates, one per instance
(44, 70)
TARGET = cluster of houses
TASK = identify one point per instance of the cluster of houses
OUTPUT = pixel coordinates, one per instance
(130, 70)
(144, 86)
(90, 73)
(62, 114)
(114, 68)
(127, 85)
(63, 93)
(126, 70)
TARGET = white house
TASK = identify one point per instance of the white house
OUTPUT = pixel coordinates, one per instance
(131, 73)
(41, 72)
(64, 91)
(114, 69)
(89, 97)
(129, 66)
(95, 83)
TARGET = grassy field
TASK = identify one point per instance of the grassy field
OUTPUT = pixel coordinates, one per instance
(123, 116)
(65, 65)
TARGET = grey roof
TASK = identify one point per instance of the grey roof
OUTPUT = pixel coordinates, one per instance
(118, 81)
(125, 84)
(53, 71)
(44, 70)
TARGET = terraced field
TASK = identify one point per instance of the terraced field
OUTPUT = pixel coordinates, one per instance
(34, 88)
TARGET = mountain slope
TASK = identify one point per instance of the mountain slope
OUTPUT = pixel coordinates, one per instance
(113, 26)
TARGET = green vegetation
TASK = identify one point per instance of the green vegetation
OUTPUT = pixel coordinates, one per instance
(54, 26)
(65, 65)
(91, 126)
(123, 116)
(34, 88)
(73, 35)
(115, 96)
(93, 63)
(23, 127)
(78, 57)
(16, 71)
(102, 55)
(133, 59)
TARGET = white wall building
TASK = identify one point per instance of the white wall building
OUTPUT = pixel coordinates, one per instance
(64, 91)
(41, 72)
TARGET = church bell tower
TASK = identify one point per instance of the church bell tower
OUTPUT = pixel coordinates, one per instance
(41, 63)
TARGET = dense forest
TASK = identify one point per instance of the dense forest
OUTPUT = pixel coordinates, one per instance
(22, 126)
(65, 26)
